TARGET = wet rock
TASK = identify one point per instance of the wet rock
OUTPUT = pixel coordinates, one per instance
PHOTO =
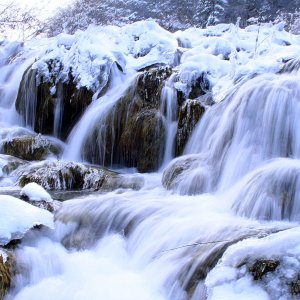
(189, 115)
(31, 147)
(39, 100)
(261, 267)
(74, 176)
(9, 163)
(132, 134)
(50, 206)
(150, 84)
(6, 272)
(142, 142)
(177, 168)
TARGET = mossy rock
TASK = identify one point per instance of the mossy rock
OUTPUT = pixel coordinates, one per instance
(142, 142)
(6, 272)
(132, 134)
(30, 147)
(11, 163)
(189, 115)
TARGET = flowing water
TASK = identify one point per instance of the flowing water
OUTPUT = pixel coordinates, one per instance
(155, 244)
(169, 109)
(97, 114)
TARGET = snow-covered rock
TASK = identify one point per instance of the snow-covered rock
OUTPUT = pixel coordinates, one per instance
(17, 217)
(35, 192)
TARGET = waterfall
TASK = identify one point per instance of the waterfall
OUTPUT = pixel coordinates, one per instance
(97, 113)
(169, 109)
(58, 111)
(29, 94)
(258, 123)
(10, 77)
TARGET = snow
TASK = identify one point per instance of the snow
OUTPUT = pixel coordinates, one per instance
(230, 280)
(225, 52)
(35, 192)
(17, 217)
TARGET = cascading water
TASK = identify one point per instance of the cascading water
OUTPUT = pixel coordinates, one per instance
(243, 132)
(58, 112)
(169, 109)
(11, 75)
(97, 114)
(29, 94)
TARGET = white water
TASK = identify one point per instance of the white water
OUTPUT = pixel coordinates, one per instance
(260, 122)
(10, 77)
(58, 112)
(97, 113)
(169, 109)
(118, 247)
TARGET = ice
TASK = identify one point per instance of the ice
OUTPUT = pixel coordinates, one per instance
(35, 192)
(17, 217)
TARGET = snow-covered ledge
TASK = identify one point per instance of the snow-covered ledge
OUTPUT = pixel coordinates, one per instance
(17, 217)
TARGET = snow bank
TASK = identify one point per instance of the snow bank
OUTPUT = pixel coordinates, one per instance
(231, 279)
(221, 51)
(17, 217)
(35, 192)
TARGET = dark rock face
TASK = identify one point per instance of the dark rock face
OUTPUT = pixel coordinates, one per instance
(262, 267)
(133, 134)
(30, 147)
(142, 142)
(189, 115)
(38, 106)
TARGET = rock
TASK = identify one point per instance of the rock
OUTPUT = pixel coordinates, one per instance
(6, 272)
(261, 267)
(189, 114)
(132, 126)
(9, 163)
(142, 142)
(74, 176)
(295, 286)
(31, 147)
(63, 176)
(177, 168)
(38, 101)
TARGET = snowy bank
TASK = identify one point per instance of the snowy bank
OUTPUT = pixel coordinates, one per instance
(17, 217)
